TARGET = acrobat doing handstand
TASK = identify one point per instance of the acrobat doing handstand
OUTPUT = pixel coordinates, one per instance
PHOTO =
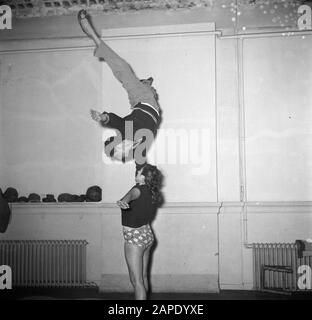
(136, 131)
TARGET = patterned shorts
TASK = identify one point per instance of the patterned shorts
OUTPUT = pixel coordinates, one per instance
(142, 236)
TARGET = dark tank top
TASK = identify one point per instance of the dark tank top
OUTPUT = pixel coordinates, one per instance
(141, 210)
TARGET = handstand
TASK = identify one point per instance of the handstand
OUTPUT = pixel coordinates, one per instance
(136, 131)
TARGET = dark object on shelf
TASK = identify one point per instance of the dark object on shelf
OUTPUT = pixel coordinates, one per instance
(304, 248)
(300, 247)
(11, 195)
(82, 198)
(49, 198)
(76, 198)
(5, 213)
(94, 194)
(34, 197)
(65, 197)
(22, 199)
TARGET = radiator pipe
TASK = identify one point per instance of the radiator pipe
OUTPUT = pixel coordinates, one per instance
(241, 142)
(218, 241)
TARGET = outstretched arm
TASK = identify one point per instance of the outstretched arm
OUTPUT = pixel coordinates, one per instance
(133, 194)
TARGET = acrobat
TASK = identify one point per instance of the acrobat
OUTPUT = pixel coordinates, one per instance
(136, 131)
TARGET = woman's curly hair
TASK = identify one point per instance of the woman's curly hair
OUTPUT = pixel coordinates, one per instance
(153, 180)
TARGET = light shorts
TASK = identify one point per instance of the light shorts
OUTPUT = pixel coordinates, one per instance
(142, 236)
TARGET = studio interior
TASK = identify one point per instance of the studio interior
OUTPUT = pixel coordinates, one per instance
(233, 79)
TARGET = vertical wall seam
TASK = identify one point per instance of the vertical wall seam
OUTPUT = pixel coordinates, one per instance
(216, 158)
(216, 117)
(238, 47)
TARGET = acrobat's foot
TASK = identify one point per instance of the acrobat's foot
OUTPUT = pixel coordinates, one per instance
(86, 26)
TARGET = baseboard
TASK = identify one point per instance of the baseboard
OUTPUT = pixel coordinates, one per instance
(232, 286)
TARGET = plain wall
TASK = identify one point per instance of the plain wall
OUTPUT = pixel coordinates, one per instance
(277, 102)
(275, 98)
(227, 121)
(51, 143)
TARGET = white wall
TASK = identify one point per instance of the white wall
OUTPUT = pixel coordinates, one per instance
(277, 96)
(275, 100)
(227, 122)
(50, 141)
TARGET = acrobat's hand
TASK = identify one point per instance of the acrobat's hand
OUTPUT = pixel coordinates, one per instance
(122, 204)
(95, 115)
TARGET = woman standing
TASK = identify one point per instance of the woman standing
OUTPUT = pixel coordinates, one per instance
(138, 207)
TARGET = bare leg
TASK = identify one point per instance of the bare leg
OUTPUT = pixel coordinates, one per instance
(134, 259)
(146, 256)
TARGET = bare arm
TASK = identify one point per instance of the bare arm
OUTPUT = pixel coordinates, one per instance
(131, 195)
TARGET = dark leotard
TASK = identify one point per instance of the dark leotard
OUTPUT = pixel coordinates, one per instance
(141, 211)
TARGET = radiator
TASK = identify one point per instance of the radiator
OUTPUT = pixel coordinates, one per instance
(45, 263)
(277, 254)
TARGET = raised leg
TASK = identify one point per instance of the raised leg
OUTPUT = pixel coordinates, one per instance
(134, 259)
